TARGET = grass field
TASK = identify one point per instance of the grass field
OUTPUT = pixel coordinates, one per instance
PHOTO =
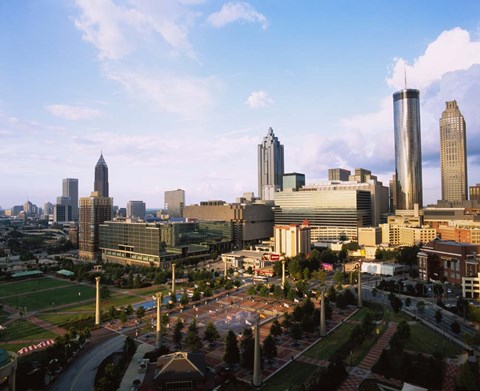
(292, 375)
(59, 318)
(24, 330)
(26, 286)
(3, 316)
(38, 300)
(424, 340)
(327, 347)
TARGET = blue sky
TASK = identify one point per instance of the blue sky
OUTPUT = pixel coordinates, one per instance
(178, 93)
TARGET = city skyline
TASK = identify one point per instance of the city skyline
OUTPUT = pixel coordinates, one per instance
(179, 94)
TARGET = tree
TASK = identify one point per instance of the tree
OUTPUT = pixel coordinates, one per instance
(196, 295)
(140, 312)
(122, 316)
(437, 290)
(211, 333)
(104, 292)
(129, 347)
(408, 301)
(349, 296)
(403, 330)
(193, 341)
(340, 301)
(137, 283)
(396, 303)
(275, 328)
(184, 299)
(420, 306)
(438, 316)
(232, 353)
(455, 326)
(129, 310)
(247, 348)
(338, 278)
(331, 293)
(177, 333)
(269, 347)
(320, 275)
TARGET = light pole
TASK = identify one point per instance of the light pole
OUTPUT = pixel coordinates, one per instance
(159, 304)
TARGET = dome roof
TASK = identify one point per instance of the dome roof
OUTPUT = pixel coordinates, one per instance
(4, 358)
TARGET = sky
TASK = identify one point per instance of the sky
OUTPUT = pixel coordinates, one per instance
(179, 93)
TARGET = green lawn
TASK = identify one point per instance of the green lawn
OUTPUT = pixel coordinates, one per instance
(59, 318)
(3, 316)
(35, 301)
(291, 376)
(14, 347)
(25, 286)
(22, 329)
(327, 347)
(424, 340)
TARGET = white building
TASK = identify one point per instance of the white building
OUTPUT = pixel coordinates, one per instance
(292, 239)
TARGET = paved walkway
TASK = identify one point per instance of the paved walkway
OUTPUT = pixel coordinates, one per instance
(132, 372)
(359, 374)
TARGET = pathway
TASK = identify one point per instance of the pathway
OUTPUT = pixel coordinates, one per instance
(359, 374)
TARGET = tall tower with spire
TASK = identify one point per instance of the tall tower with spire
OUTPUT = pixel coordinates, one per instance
(270, 166)
(101, 177)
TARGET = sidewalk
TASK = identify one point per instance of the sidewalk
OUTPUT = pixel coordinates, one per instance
(359, 374)
(132, 371)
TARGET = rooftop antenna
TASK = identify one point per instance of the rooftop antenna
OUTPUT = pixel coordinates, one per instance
(405, 72)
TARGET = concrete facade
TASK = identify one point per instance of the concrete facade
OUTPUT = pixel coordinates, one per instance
(292, 239)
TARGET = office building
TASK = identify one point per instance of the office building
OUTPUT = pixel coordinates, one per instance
(338, 174)
(442, 260)
(292, 239)
(62, 210)
(475, 193)
(252, 222)
(136, 209)
(453, 154)
(160, 243)
(270, 166)
(369, 236)
(94, 210)
(175, 202)
(101, 177)
(408, 149)
(70, 189)
(48, 209)
(332, 213)
(293, 180)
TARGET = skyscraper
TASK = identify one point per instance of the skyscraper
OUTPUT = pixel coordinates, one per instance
(70, 189)
(101, 177)
(408, 149)
(453, 154)
(175, 202)
(94, 210)
(270, 166)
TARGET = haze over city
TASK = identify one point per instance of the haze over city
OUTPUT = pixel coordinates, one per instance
(177, 94)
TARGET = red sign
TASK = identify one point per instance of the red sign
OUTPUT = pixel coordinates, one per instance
(274, 257)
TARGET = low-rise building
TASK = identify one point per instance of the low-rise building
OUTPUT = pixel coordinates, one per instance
(292, 239)
(471, 287)
(442, 260)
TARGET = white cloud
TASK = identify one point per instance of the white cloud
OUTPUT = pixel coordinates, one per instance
(237, 11)
(258, 100)
(453, 50)
(116, 30)
(72, 113)
(182, 95)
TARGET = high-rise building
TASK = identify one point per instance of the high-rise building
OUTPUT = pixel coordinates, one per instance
(453, 154)
(70, 189)
(408, 148)
(94, 210)
(270, 166)
(101, 177)
(175, 202)
(62, 210)
(136, 209)
(338, 174)
(475, 192)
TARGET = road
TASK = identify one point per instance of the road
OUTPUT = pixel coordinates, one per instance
(80, 374)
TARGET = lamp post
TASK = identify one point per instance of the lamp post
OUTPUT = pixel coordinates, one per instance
(159, 304)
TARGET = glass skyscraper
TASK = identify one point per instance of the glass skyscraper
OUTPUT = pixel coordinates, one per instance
(408, 149)
(270, 166)
(70, 189)
(101, 177)
(453, 154)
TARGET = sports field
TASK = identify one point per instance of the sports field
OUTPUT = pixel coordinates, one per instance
(43, 293)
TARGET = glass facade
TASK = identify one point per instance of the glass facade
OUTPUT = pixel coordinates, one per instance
(341, 210)
(153, 242)
(408, 149)
(270, 165)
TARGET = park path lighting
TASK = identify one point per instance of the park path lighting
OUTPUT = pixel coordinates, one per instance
(97, 304)
(322, 315)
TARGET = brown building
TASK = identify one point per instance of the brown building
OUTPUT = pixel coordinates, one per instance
(94, 210)
(443, 260)
(251, 222)
(177, 371)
